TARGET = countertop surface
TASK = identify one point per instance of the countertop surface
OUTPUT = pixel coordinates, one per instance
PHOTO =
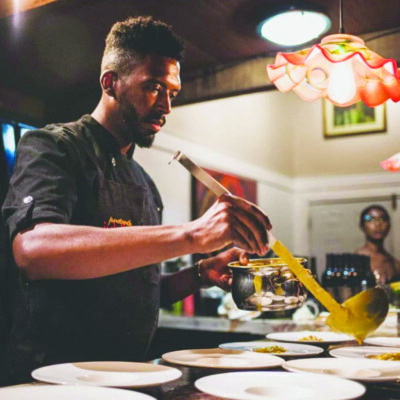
(184, 388)
(257, 326)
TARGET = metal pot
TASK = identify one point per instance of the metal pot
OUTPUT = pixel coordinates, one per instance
(266, 285)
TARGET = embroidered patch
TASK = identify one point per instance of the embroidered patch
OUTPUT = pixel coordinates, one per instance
(116, 222)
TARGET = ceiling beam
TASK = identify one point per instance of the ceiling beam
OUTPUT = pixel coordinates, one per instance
(9, 7)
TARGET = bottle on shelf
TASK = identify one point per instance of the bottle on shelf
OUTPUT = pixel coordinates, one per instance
(328, 278)
(338, 273)
(368, 278)
(344, 288)
(355, 276)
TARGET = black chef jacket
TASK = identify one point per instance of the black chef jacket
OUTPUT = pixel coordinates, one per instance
(74, 173)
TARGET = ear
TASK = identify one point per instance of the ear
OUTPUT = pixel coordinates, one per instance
(107, 82)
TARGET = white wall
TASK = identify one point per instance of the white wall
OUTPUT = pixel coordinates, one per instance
(173, 181)
(254, 128)
(360, 154)
(281, 133)
(360, 188)
(276, 139)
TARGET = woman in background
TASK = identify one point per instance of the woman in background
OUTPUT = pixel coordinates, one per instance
(375, 223)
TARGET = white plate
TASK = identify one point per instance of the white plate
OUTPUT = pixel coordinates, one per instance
(264, 385)
(52, 392)
(107, 373)
(383, 341)
(351, 368)
(222, 358)
(362, 351)
(292, 349)
(326, 337)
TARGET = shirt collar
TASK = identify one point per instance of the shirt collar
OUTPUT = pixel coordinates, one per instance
(106, 142)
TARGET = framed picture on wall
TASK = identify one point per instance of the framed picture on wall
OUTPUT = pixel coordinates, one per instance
(203, 198)
(356, 119)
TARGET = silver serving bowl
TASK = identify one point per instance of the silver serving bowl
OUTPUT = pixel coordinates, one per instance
(266, 285)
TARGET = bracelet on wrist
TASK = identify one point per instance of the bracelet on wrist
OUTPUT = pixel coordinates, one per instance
(197, 269)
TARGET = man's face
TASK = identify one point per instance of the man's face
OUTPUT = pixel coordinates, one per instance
(145, 98)
(376, 225)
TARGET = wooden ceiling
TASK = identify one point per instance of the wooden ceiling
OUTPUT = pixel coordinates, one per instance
(52, 50)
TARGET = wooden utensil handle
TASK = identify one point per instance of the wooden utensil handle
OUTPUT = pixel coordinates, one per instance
(201, 175)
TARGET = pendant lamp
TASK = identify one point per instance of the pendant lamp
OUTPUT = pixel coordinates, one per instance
(341, 69)
(392, 164)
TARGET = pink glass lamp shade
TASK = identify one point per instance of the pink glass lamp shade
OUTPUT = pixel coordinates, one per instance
(392, 163)
(341, 69)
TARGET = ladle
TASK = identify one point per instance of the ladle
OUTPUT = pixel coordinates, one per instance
(357, 316)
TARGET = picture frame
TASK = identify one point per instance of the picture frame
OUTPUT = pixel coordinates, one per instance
(203, 198)
(357, 119)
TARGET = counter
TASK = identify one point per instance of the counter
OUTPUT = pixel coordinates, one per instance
(179, 332)
(219, 324)
(184, 388)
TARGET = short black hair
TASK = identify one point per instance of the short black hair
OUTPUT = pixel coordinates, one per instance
(366, 211)
(130, 40)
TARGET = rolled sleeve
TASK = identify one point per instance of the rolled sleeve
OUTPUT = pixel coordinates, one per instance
(43, 185)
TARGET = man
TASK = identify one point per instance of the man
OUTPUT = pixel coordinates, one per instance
(89, 293)
(375, 223)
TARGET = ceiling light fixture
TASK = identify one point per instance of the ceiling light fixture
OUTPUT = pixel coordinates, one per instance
(341, 69)
(294, 26)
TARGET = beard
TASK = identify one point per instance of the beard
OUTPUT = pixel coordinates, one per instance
(139, 135)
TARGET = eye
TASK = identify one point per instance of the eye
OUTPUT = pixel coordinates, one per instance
(154, 87)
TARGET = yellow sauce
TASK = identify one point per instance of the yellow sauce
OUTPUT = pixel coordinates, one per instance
(311, 338)
(270, 349)
(258, 288)
(385, 356)
(341, 317)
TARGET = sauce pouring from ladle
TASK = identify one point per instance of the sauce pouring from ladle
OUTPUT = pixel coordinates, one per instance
(357, 316)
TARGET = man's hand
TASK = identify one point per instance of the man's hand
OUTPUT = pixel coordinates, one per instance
(231, 220)
(214, 271)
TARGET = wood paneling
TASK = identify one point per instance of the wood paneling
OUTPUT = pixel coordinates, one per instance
(54, 50)
(9, 7)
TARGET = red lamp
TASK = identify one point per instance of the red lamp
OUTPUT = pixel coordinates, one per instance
(341, 69)
(392, 163)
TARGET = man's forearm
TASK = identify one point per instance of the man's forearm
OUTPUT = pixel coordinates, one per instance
(59, 251)
(178, 285)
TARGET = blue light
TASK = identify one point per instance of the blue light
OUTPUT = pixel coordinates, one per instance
(8, 134)
(25, 128)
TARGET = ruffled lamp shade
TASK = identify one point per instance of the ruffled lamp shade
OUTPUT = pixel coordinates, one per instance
(392, 163)
(341, 69)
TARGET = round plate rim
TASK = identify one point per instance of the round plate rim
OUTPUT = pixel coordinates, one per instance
(72, 381)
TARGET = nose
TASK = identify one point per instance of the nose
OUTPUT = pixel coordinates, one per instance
(164, 103)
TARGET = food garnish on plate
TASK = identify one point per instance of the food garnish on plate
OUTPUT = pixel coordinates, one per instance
(311, 338)
(393, 356)
(270, 349)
